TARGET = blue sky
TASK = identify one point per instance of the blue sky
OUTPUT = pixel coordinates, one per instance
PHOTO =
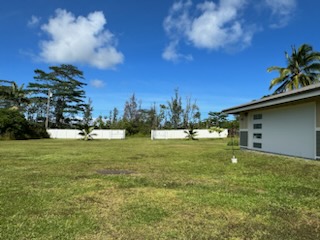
(215, 51)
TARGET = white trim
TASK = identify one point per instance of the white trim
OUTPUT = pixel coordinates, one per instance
(287, 97)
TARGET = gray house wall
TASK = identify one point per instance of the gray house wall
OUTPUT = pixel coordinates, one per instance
(289, 130)
(285, 123)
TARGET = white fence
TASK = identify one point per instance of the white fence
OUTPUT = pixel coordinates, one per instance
(180, 134)
(98, 134)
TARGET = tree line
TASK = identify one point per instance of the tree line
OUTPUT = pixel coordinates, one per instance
(174, 114)
(57, 99)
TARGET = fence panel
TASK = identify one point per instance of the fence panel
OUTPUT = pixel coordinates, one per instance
(97, 134)
(180, 134)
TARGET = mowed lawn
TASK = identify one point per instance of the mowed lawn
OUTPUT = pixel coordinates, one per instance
(142, 189)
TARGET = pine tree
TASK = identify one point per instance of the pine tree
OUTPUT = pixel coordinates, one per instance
(62, 88)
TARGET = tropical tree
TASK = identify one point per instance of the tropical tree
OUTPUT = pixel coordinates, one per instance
(86, 132)
(217, 119)
(87, 114)
(132, 110)
(216, 129)
(175, 110)
(62, 88)
(191, 114)
(303, 69)
(114, 117)
(12, 95)
(132, 115)
(191, 133)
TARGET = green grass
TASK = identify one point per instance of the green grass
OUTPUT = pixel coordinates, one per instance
(177, 189)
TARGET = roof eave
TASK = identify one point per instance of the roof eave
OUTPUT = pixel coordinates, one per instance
(296, 95)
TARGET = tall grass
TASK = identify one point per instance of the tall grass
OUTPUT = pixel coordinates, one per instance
(142, 189)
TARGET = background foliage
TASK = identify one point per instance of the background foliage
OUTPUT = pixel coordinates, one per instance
(56, 99)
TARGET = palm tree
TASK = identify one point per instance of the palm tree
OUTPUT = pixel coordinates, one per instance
(86, 132)
(18, 96)
(303, 69)
(4, 89)
(191, 133)
(13, 96)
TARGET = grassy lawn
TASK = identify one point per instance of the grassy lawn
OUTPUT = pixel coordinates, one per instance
(174, 189)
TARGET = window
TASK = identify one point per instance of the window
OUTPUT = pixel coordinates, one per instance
(257, 135)
(257, 145)
(318, 143)
(257, 116)
(257, 126)
(243, 139)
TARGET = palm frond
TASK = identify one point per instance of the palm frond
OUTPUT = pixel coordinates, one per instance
(273, 68)
(303, 69)
(277, 80)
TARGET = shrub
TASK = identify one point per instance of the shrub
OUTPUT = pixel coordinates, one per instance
(13, 125)
(233, 142)
(36, 131)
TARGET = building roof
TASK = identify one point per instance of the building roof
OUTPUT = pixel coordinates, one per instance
(282, 98)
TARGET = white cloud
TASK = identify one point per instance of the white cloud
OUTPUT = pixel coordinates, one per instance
(175, 25)
(34, 21)
(282, 11)
(212, 26)
(178, 19)
(222, 24)
(171, 54)
(80, 40)
(97, 83)
(219, 26)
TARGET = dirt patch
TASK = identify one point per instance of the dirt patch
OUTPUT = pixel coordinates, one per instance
(114, 172)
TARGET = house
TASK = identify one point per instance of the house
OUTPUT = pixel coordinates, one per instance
(286, 123)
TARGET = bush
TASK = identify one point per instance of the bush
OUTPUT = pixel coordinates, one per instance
(36, 131)
(234, 142)
(13, 125)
